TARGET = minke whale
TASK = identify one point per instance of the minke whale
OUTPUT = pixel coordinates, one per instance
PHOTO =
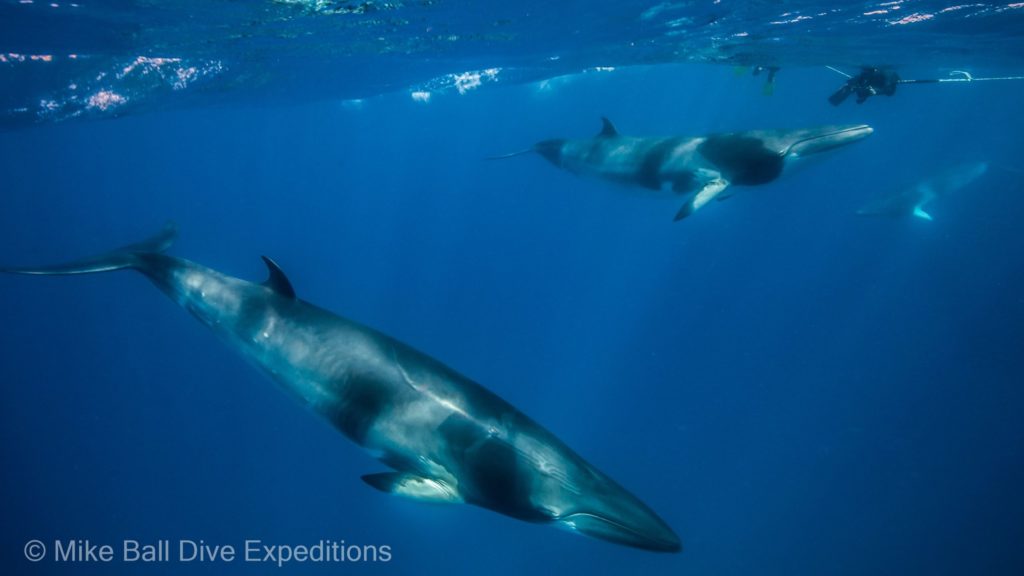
(707, 165)
(912, 201)
(445, 437)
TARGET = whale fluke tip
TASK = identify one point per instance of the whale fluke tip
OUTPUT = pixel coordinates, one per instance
(509, 155)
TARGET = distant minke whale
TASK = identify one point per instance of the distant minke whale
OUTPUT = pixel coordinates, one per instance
(447, 438)
(912, 201)
(707, 165)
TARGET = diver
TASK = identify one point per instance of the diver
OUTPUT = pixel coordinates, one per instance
(873, 81)
(769, 83)
(756, 70)
(870, 82)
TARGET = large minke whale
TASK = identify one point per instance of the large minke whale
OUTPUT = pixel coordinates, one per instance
(708, 165)
(447, 438)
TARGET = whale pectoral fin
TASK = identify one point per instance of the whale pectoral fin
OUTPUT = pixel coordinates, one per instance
(413, 486)
(705, 195)
(920, 213)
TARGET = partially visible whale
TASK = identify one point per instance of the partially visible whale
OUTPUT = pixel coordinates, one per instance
(912, 201)
(446, 438)
(707, 165)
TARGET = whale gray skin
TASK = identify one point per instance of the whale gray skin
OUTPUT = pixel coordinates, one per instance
(447, 438)
(707, 165)
(912, 201)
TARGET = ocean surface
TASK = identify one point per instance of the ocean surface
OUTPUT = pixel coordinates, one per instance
(794, 388)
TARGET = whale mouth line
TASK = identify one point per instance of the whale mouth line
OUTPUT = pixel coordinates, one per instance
(856, 131)
(847, 129)
(651, 542)
(569, 517)
(866, 129)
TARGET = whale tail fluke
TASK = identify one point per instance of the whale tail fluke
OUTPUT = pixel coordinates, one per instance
(1006, 168)
(123, 257)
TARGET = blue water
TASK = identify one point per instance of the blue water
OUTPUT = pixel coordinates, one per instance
(794, 389)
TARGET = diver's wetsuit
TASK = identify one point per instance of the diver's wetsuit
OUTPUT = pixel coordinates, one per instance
(870, 82)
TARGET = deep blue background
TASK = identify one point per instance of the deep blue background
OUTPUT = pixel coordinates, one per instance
(796, 390)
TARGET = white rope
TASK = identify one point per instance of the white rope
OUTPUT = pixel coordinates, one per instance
(957, 76)
(838, 71)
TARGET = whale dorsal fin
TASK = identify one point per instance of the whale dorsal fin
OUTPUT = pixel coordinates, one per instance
(277, 281)
(607, 128)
